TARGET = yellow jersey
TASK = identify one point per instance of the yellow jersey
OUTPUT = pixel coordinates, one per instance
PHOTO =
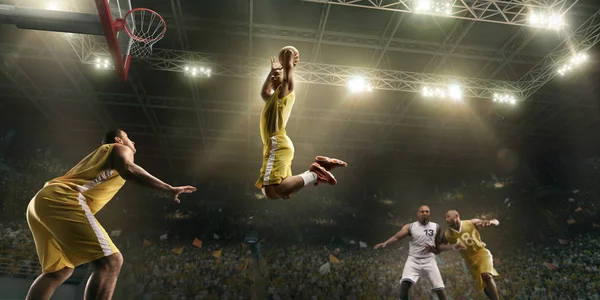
(93, 178)
(468, 237)
(275, 115)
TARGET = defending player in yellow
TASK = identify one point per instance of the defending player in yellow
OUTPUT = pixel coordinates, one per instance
(276, 180)
(478, 259)
(61, 217)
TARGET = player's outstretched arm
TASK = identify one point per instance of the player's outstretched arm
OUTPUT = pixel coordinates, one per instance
(122, 161)
(267, 88)
(396, 237)
(485, 223)
(288, 70)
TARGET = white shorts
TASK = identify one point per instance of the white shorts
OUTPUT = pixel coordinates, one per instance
(415, 267)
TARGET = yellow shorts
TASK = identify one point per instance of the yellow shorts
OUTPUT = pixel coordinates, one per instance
(65, 231)
(277, 161)
(482, 262)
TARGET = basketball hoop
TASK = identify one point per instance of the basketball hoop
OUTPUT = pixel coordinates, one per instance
(145, 27)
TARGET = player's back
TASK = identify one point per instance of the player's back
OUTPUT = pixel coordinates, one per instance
(92, 178)
(276, 114)
(421, 236)
(467, 236)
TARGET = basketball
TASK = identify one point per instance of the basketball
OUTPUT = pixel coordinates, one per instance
(296, 54)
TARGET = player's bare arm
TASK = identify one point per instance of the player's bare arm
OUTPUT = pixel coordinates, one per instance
(441, 245)
(485, 223)
(122, 160)
(396, 237)
(267, 88)
(288, 62)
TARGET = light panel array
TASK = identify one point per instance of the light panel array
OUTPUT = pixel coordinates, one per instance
(547, 20)
(452, 91)
(197, 71)
(573, 63)
(505, 98)
(433, 6)
(103, 63)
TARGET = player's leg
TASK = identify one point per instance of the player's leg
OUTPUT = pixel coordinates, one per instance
(80, 238)
(55, 272)
(404, 288)
(410, 276)
(486, 272)
(435, 277)
(490, 289)
(103, 280)
(292, 184)
(46, 284)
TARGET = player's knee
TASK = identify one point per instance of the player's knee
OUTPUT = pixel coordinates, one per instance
(405, 284)
(111, 263)
(486, 277)
(62, 274)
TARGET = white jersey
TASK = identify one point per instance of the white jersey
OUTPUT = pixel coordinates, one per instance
(421, 236)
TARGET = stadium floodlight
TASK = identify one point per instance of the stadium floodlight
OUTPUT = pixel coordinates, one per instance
(433, 6)
(359, 85)
(197, 71)
(547, 20)
(103, 63)
(455, 92)
(52, 5)
(505, 98)
(452, 91)
(573, 63)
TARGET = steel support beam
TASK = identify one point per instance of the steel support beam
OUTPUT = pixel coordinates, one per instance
(79, 81)
(511, 48)
(579, 40)
(316, 51)
(143, 100)
(326, 74)
(244, 67)
(347, 39)
(184, 43)
(240, 109)
(493, 11)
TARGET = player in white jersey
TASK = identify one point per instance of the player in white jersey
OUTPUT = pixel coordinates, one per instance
(420, 261)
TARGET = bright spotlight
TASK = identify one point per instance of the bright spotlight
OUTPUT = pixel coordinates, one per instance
(455, 92)
(452, 91)
(423, 5)
(575, 61)
(550, 21)
(197, 71)
(52, 5)
(103, 63)
(504, 98)
(358, 85)
(433, 6)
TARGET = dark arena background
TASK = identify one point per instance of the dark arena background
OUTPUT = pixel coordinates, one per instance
(488, 107)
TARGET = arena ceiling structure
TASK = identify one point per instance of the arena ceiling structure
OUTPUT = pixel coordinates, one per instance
(391, 86)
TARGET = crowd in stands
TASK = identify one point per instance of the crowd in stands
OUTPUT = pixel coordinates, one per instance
(542, 265)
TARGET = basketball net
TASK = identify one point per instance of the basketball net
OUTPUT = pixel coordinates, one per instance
(151, 29)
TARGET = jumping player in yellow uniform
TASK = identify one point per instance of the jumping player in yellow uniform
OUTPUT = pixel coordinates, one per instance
(276, 180)
(61, 217)
(464, 236)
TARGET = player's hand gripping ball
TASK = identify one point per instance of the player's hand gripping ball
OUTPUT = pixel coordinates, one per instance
(294, 50)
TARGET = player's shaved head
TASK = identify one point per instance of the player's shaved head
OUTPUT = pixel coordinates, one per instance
(453, 219)
(423, 207)
(453, 213)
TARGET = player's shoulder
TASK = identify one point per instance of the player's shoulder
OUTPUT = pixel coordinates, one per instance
(468, 223)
